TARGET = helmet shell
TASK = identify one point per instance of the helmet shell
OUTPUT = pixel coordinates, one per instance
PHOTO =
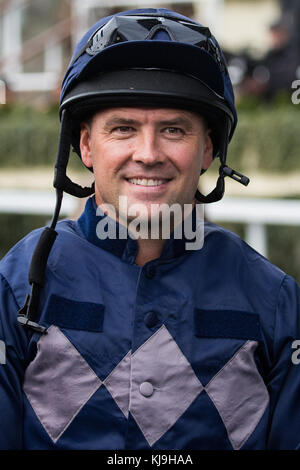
(92, 82)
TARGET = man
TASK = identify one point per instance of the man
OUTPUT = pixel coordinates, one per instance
(138, 342)
(139, 154)
(274, 73)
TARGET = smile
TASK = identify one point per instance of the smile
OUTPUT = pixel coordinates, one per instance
(147, 182)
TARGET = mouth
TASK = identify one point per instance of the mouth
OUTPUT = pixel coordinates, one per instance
(147, 181)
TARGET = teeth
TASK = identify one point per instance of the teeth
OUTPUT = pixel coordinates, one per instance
(146, 182)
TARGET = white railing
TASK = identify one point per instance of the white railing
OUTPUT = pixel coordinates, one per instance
(17, 201)
(256, 214)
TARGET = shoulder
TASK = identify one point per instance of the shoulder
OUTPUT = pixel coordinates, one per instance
(14, 267)
(246, 279)
(231, 249)
(241, 268)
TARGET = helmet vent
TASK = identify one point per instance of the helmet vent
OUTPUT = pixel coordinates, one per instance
(160, 32)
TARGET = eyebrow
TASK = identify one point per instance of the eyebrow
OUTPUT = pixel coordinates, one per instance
(122, 121)
(119, 121)
(179, 121)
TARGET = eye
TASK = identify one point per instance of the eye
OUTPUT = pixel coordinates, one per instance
(123, 129)
(174, 131)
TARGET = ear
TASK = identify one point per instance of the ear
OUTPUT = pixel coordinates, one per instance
(208, 151)
(85, 144)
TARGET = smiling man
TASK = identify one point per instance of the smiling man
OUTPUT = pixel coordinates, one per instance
(148, 155)
(144, 342)
(151, 157)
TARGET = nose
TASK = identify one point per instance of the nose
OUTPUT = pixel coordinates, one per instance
(147, 149)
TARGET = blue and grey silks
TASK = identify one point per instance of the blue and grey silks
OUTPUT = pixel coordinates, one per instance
(191, 351)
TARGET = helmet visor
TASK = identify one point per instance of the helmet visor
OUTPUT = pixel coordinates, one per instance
(142, 28)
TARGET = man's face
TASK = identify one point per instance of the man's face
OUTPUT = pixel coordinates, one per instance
(151, 156)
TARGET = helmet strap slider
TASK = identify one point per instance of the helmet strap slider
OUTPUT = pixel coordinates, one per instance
(235, 175)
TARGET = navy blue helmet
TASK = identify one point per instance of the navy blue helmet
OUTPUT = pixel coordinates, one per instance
(150, 57)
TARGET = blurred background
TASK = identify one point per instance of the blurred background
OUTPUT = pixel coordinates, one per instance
(261, 41)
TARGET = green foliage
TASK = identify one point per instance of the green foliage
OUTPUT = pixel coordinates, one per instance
(14, 227)
(267, 137)
(29, 137)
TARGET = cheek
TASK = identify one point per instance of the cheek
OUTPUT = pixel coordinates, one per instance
(109, 156)
(107, 164)
(102, 159)
(188, 161)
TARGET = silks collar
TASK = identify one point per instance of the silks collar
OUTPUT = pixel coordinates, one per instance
(126, 248)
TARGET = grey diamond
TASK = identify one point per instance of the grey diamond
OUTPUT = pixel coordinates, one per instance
(160, 363)
(58, 382)
(118, 383)
(239, 394)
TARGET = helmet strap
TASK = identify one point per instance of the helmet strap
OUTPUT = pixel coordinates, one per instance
(218, 192)
(28, 315)
(61, 181)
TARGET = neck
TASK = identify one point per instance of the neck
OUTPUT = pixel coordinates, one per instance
(148, 250)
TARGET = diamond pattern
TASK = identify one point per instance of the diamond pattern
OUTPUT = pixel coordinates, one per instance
(239, 394)
(160, 362)
(118, 383)
(58, 382)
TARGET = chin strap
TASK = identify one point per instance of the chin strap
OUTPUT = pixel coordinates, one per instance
(224, 170)
(217, 193)
(28, 314)
(61, 181)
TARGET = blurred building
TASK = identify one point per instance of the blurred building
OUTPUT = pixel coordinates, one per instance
(37, 37)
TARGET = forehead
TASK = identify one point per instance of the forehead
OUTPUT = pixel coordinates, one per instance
(148, 114)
